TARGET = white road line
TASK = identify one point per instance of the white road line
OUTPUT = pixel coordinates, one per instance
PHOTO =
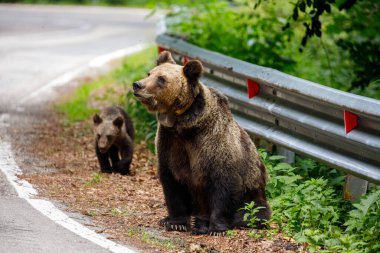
(97, 64)
(105, 59)
(26, 191)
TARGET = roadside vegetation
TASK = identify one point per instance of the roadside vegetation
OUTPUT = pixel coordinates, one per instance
(307, 204)
(343, 53)
(306, 197)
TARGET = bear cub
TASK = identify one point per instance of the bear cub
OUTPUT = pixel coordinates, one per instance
(207, 164)
(114, 135)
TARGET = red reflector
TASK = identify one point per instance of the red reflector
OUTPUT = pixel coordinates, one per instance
(185, 60)
(350, 121)
(161, 49)
(253, 88)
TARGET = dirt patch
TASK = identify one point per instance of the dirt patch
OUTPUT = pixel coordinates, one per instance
(125, 208)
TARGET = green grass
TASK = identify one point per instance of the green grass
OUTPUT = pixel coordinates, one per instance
(116, 211)
(151, 239)
(96, 178)
(76, 107)
(79, 106)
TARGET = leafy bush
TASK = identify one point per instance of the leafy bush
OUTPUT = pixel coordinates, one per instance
(250, 213)
(309, 207)
(363, 224)
(237, 32)
(346, 57)
(356, 32)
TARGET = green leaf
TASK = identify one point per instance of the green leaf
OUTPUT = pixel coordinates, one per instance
(276, 157)
(283, 166)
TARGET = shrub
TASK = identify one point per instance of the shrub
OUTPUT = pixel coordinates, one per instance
(307, 205)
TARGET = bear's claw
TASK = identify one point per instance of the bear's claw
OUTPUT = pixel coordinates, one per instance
(181, 228)
(174, 224)
(217, 233)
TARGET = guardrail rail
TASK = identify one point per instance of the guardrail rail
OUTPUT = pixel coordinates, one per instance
(336, 127)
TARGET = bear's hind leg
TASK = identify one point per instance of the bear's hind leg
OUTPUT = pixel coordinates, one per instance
(224, 198)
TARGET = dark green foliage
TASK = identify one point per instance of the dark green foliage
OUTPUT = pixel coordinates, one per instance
(265, 33)
(367, 68)
(357, 31)
(307, 205)
(312, 11)
(238, 32)
(363, 224)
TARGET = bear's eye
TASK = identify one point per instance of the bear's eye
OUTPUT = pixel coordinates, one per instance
(161, 81)
(148, 74)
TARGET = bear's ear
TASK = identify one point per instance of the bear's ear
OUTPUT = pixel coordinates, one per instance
(165, 57)
(193, 70)
(118, 122)
(97, 120)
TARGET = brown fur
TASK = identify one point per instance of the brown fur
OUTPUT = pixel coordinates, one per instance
(208, 165)
(114, 136)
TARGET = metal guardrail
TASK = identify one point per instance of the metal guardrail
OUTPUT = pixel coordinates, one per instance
(336, 127)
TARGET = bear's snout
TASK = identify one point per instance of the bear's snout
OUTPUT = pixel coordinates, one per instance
(103, 150)
(137, 86)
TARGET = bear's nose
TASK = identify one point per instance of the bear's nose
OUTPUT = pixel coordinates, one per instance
(137, 86)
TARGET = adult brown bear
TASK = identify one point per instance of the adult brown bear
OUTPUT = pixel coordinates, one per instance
(208, 165)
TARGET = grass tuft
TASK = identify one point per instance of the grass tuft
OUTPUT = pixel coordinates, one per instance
(115, 89)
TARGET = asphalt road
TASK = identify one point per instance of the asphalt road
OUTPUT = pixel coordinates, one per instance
(38, 44)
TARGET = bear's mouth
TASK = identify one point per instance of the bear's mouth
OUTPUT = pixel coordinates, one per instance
(149, 102)
(137, 95)
(103, 150)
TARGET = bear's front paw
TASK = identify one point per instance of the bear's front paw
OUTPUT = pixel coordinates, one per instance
(175, 224)
(121, 168)
(198, 226)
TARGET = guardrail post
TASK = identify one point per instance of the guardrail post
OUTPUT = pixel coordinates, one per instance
(354, 187)
(288, 154)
